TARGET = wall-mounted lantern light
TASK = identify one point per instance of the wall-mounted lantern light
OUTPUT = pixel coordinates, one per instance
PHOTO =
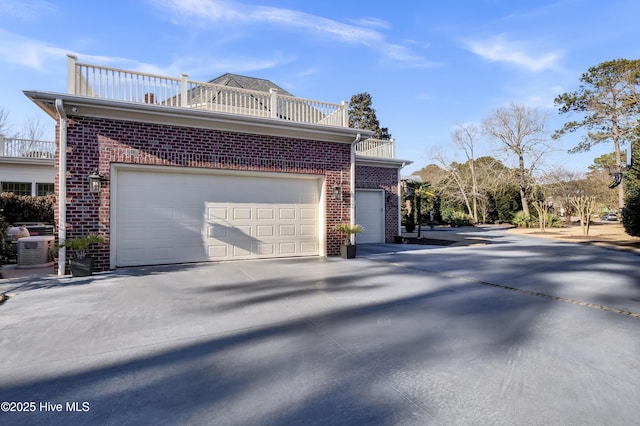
(94, 182)
(337, 192)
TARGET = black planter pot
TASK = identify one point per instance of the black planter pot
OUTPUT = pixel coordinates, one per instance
(398, 239)
(348, 251)
(81, 267)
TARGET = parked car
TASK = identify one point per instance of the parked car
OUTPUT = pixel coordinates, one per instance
(609, 216)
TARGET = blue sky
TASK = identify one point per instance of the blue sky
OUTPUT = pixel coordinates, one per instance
(428, 65)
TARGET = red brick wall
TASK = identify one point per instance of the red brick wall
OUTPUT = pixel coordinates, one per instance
(96, 143)
(368, 177)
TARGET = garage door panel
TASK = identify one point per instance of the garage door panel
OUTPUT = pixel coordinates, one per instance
(217, 213)
(213, 217)
(241, 251)
(265, 213)
(264, 231)
(287, 213)
(307, 230)
(308, 247)
(240, 213)
(217, 231)
(286, 230)
(308, 214)
(287, 248)
(220, 252)
(265, 249)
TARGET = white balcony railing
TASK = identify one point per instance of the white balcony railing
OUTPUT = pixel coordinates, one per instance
(26, 148)
(376, 148)
(129, 86)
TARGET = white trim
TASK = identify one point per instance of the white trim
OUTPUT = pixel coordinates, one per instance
(62, 186)
(26, 160)
(392, 163)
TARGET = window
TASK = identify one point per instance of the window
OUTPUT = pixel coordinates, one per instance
(44, 188)
(18, 188)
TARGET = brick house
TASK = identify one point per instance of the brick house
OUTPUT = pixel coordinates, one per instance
(235, 168)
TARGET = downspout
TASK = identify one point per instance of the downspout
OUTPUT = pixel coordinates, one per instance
(62, 186)
(400, 199)
(352, 198)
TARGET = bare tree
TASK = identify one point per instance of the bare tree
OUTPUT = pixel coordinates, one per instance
(32, 129)
(561, 185)
(584, 206)
(521, 132)
(454, 184)
(4, 122)
(465, 137)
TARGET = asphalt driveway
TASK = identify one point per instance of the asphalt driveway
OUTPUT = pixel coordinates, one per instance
(518, 331)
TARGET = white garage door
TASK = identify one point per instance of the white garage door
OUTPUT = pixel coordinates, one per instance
(166, 217)
(370, 214)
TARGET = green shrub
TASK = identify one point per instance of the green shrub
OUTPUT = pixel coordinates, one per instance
(456, 218)
(552, 221)
(21, 208)
(631, 214)
(521, 220)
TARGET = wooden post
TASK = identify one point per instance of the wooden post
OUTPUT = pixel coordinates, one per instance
(274, 102)
(184, 90)
(71, 74)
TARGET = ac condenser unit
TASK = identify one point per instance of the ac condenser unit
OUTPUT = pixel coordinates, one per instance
(35, 252)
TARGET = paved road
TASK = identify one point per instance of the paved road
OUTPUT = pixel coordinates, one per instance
(519, 331)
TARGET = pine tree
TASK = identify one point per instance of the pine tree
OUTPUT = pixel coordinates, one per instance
(363, 116)
(607, 103)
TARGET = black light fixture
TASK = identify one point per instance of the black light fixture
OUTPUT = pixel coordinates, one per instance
(337, 192)
(94, 182)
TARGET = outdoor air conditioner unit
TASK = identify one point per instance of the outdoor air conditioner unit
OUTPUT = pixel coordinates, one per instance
(35, 252)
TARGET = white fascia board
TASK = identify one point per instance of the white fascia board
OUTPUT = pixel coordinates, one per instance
(46, 162)
(393, 163)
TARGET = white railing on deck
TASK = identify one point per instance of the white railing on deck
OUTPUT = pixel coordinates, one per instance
(233, 100)
(26, 148)
(121, 85)
(376, 148)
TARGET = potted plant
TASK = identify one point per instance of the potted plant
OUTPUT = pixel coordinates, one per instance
(82, 265)
(348, 250)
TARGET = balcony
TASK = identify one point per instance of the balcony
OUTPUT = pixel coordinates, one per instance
(128, 86)
(134, 87)
(376, 148)
(26, 148)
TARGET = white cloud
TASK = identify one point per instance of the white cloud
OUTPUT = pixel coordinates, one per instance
(362, 33)
(27, 10)
(18, 50)
(306, 73)
(371, 22)
(39, 55)
(500, 49)
(207, 68)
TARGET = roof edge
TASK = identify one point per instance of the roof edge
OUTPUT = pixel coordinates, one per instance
(128, 111)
